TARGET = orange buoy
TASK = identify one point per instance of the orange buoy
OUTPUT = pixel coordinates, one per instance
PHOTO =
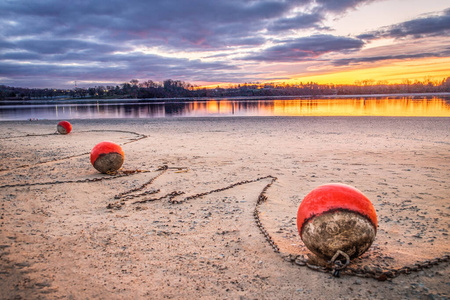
(107, 157)
(64, 127)
(336, 217)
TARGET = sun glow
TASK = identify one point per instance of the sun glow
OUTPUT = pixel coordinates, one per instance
(396, 72)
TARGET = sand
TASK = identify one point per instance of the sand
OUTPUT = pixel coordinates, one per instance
(61, 241)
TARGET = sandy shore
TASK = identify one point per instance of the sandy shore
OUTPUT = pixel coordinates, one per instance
(61, 241)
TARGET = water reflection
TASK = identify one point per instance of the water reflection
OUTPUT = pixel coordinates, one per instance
(424, 107)
(405, 107)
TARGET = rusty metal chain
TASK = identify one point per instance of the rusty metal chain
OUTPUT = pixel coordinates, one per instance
(118, 174)
(129, 197)
(218, 190)
(114, 175)
(119, 204)
(383, 275)
(337, 265)
(27, 135)
(256, 214)
(334, 267)
(367, 271)
(125, 195)
(169, 195)
(300, 260)
(139, 137)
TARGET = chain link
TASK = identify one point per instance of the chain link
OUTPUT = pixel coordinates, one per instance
(367, 271)
(139, 137)
(192, 197)
(262, 198)
(299, 260)
(256, 213)
(118, 174)
(163, 170)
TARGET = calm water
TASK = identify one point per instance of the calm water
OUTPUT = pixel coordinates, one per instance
(415, 107)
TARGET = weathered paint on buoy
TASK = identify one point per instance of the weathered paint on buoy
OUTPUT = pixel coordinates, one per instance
(107, 157)
(64, 127)
(336, 217)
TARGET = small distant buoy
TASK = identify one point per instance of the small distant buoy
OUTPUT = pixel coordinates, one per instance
(107, 157)
(64, 127)
(336, 217)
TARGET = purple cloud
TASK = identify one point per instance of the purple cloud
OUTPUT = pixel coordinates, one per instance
(301, 21)
(306, 48)
(350, 61)
(95, 39)
(341, 5)
(435, 25)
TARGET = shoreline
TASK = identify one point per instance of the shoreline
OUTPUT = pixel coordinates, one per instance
(323, 107)
(237, 98)
(60, 240)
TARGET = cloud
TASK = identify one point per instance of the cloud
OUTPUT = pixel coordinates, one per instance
(301, 21)
(154, 68)
(430, 26)
(95, 39)
(5, 44)
(195, 23)
(62, 46)
(100, 39)
(107, 67)
(341, 5)
(306, 48)
(370, 59)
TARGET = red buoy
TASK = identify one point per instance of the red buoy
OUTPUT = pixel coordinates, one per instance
(336, 217)
(107, 157)
(64, 127)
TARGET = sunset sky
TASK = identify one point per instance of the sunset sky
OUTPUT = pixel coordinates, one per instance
(53, 43)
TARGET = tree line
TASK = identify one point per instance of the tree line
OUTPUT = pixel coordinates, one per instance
(179, 89)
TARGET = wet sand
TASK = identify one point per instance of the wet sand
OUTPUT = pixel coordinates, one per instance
(61, 241)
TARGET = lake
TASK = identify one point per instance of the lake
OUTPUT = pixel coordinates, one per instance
(417, 106)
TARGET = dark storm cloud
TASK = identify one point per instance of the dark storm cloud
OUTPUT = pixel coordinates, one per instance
(436, 25)
(307, 48)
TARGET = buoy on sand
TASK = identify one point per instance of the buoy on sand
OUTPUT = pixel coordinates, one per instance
(336, 217)
(107, 157)
(64, 127)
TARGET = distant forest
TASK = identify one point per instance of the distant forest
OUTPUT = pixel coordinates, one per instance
(180, 89)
